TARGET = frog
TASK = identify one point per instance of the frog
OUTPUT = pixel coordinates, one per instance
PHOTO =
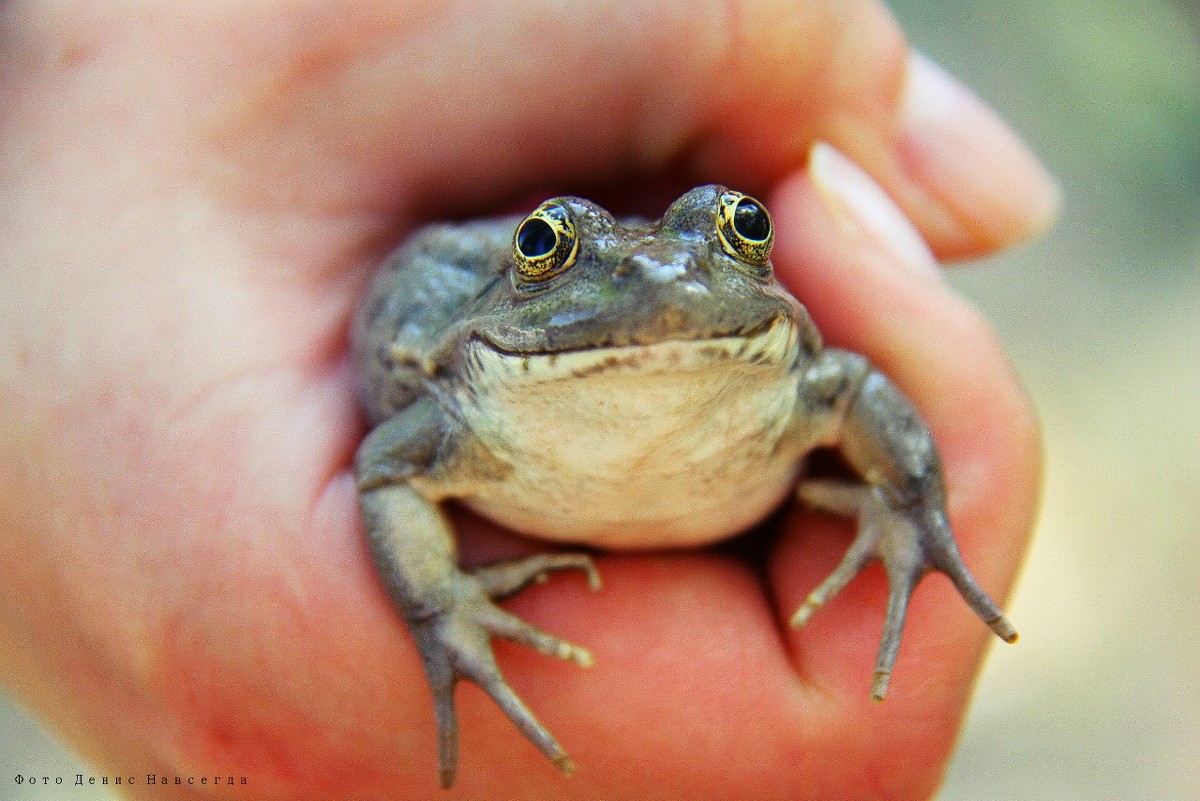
(614, 385)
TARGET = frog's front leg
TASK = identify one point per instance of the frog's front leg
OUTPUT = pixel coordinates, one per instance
(901, 504)
(402, 469)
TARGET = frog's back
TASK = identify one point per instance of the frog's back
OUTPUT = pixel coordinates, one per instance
(420, 292)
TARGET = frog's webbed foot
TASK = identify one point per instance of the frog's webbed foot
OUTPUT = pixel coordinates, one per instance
(455, 643)
(910, 541)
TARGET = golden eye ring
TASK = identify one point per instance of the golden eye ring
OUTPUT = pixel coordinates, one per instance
(545, 243)
(745, 228)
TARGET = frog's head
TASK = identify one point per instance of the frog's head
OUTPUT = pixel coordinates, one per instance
(580, 281)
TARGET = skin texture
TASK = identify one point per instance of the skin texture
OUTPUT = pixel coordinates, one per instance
(192, 199)
(570, 387)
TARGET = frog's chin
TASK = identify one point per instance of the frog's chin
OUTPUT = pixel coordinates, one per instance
(774, 346)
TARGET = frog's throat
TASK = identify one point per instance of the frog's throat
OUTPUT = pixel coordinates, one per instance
(774, 346)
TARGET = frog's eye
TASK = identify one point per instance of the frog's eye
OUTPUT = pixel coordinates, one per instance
(745, 228)
(545, 244)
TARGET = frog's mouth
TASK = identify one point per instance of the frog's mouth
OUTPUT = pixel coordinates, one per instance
(771, 346)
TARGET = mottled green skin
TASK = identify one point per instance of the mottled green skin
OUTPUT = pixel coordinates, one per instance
(659, 392)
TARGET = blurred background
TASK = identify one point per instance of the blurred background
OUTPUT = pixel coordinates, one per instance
(1102, 317)
(1098, 701)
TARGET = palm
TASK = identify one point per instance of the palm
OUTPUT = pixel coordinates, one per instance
(222, 596)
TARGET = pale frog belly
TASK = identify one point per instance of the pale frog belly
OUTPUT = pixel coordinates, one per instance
(621, 460)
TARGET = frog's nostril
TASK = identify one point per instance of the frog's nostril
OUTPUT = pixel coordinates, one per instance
(625, 268)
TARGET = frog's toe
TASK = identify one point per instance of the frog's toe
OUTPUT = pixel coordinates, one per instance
(455, 643)
(502, 579)
(464, 650)
(910, 541)
(475, 661)
(438, 656)
(946, 558)
(447, 726)
(847, 500)
(516, 710)
(511, 627)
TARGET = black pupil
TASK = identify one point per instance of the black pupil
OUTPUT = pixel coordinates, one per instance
(536, 238)
(750, 220)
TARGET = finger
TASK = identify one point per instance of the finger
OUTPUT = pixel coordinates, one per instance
(967, 181)
(871, 286)
(366, 113)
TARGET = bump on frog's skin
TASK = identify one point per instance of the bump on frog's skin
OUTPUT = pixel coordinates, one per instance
(657, 387)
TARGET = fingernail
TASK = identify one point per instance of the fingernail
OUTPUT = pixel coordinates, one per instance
(982, 183)
(862, 208)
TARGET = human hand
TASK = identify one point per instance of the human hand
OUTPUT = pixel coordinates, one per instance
(192, 200)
